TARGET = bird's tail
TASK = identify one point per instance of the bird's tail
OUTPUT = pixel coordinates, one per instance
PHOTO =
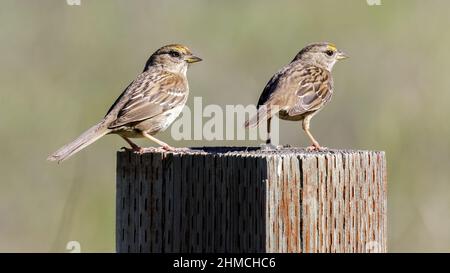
(85, 139)
(263, 114)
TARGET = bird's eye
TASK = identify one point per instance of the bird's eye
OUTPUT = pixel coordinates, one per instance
(329, 52)
(175, 54)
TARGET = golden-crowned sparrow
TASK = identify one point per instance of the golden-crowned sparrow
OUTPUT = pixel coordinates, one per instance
(147, 106)
(300, 89)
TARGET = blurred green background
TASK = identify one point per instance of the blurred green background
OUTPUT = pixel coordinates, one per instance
(62, 67)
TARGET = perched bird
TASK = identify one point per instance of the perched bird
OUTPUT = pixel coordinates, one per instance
(300, 89)
(147, 106)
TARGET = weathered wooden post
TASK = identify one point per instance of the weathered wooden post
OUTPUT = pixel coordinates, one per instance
(248, 200)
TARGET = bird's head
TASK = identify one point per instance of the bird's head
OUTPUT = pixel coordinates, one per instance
(174, 58)
(323, 55)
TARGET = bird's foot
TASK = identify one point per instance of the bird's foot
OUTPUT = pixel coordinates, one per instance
(153, 150)
(135, 149)
(316, 148)
(182, 149)
(166, 148)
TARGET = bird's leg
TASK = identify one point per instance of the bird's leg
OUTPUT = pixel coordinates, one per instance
(164, 145)
(134, 146)
(315, 145)
(268, 140)
(268, 145)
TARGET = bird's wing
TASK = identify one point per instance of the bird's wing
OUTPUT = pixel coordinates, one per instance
(151, 94)
(297, 89)
(272, 88)
(314, 89)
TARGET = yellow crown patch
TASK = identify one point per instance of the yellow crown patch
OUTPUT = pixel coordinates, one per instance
(331, 47)
(183, 49)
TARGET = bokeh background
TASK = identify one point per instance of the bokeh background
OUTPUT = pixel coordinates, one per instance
(62, 66)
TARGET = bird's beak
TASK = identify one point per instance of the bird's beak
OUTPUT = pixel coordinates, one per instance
(192, 59)
(341, 55)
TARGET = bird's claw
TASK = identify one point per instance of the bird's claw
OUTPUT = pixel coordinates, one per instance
(164, 149)
(316, 148)
(168, 148)
(141, 150)
(136, 149)
(173, 149)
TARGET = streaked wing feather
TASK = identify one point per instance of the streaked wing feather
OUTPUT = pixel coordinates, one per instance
(315, 89)
(153, 96)
(119, 99)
